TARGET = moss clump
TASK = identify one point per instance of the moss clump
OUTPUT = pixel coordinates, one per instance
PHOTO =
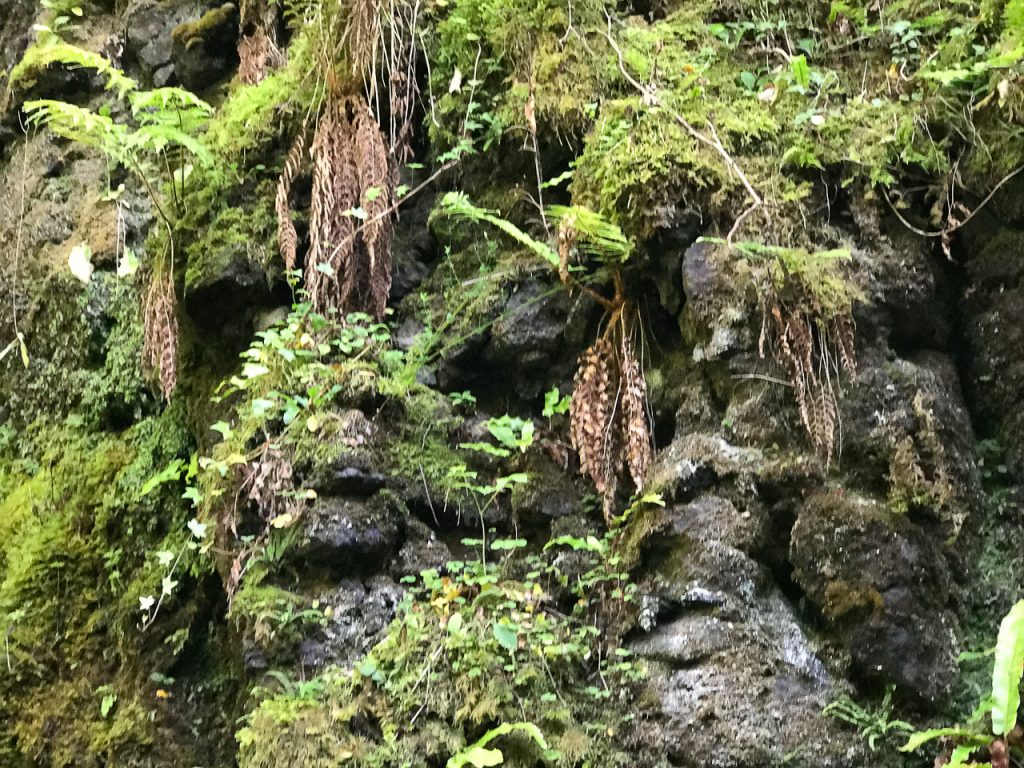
(423, 445)
(231, 234)
(210, 24)
(77, 538)
(271, 617)
(842, 598)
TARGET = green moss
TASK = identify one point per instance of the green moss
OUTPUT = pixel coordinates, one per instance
(842, 598)
(270, 616)
(78, 541)
(422, 446)
(231, 234)
(210, 23)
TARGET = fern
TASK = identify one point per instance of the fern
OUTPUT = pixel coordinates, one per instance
(42, 55)
(457, 204)
(595, 234)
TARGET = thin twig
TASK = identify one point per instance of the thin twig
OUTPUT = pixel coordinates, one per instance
(971, 215)
(715, 143)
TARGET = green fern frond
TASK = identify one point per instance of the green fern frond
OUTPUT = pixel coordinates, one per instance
(595, 234)
(160, 100)
(42, 55)
(79, 125)
(458, 204)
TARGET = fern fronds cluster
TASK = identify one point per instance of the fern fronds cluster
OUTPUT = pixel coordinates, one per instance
(813, 348)
(609, 422)
(348, 266)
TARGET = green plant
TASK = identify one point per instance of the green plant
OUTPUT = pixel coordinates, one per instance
(873, 724)
(974, 742)
(478, 756)
(157, 147)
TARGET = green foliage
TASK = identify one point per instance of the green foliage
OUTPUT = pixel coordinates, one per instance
(54, 51)
(873, 724)
(556, 404)
(477, 754)
(1007, 670)
(469, 649)
(457, 204)
(1002, 704)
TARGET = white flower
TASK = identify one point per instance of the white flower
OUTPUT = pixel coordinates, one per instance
(145, 603)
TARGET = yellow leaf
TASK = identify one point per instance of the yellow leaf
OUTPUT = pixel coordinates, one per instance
(283, 521)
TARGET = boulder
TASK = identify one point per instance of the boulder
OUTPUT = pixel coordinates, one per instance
(360, 612)
(882, 586)
(350, 536)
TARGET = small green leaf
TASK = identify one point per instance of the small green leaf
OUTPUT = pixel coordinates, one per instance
(800, 71)
(507, 636)
(107, 704)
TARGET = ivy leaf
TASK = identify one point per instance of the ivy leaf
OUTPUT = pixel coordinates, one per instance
(167, 585)
(223, 427)
(80, 262)
(129, 263)
(107, 704)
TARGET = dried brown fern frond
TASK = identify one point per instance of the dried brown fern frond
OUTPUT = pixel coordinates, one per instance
(845, 334)
(258, 54)
(636, 431)
(371, 157)
(803, 344)
(270, 479)
(258, 51)
(160, 332)
(287, 238)
(335, 194)
(361, 36)
(592, 426)
(349, 265)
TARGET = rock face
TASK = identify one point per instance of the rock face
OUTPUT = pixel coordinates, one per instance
(883, 585)
(182, 42)
(772, 582)
(992, 304)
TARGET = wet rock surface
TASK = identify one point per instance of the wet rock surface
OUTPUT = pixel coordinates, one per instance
(883, 585)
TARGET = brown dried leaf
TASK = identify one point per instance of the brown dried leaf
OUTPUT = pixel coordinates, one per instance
(636, 432)
(287, 238)
(160, 332)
